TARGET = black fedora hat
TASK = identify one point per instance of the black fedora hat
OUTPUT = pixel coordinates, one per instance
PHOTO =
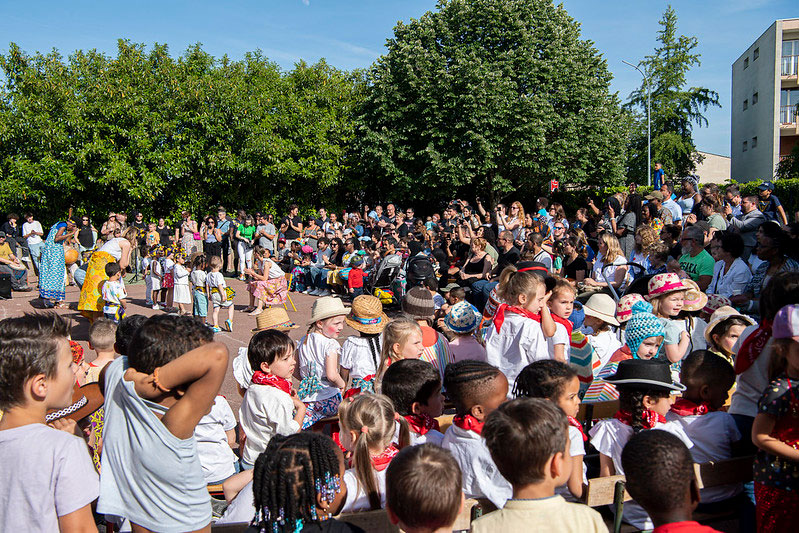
(645, 373)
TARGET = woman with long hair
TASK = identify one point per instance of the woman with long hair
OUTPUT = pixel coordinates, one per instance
(610, 256)
(211, 237)
(645, 238)
(52, 268)
(513, 222)
(624, 225)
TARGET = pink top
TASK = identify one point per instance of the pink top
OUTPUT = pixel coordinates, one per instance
(467, 347)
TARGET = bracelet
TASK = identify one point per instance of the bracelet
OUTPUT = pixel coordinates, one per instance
(157, 383)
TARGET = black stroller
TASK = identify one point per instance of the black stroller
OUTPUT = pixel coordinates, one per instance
(383, 282)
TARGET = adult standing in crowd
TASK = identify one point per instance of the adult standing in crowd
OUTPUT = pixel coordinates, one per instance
(212, 238)
(11, 265)
(110, 225)
(690, 196)
(87, 234)
(731, 274)
(190, 237)
(747, 224)
(166, 234)
(308, 232)
(32, 232)
(291, 225)
(52, 269)
(116, 249)
(624, 226)
(667, 190)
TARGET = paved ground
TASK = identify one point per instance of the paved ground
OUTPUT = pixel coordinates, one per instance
(23, 302)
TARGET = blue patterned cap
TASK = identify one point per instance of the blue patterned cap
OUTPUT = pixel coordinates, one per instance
(642, 325)
(463, 317)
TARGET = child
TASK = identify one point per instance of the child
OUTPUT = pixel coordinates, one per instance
(156, 480)
(775, 430)
(367, 431)
(452, 294)
(182, 295)
(319, 352)
(360, 356)
(114, 293)
(48, 479)
(431, 284)
(724, 331)
(102, 336)
(624, 311)
(148, 279)
(199, 294)
(414, 387)
(156, 275)
(667, 294)
(270, 406)
(215, 435)
(659, 256)
(168, 280)
(714, 301)
(561, 305)
(645, 388)
(402, 339)
(412, 502)
(355, 277)
(707, 378)
(558, 383)
(462, 320)
(529, 442)
(516, 339)
(218, 289)
(476, 388)
(600, 314)
(660, 477)
(152, 237)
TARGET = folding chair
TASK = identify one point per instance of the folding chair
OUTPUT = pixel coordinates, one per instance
(289, 279)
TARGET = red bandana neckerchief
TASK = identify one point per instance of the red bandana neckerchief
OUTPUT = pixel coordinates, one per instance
(648, 417)
(576, 423)
(752, 347)
(563, 322)
(380, 462)
(262, 378)
(423, 423)
(685, 407)
(499, 316)
(469, 423)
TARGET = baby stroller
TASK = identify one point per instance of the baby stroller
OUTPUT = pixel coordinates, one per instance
(383, 282)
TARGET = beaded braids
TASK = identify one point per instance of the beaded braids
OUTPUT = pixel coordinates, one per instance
(289, 475)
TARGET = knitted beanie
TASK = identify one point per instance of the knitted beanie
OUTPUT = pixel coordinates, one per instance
(418, 303)
(642, 325)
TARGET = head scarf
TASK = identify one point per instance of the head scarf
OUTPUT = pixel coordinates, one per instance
(642, 325)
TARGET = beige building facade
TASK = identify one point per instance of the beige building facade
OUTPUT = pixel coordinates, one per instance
(765, 93)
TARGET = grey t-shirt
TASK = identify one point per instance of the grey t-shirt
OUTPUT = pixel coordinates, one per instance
(45, 473)
(269, 228)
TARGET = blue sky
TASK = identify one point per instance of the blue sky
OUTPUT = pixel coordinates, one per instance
(352, 34)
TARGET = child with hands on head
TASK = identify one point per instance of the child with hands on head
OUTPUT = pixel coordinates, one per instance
(368, 423)
(558, 383)
(414, 387)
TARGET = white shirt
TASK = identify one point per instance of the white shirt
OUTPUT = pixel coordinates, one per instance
(608, 275)
(357, 500)
(35, 226)
(314, 349)
(357, 357)
(215, 280)
(561, 336)
(712, 435)
(733, 282)
(750, 384)
(676, 210)
(274, 271)
(181, 275)
(266, 411)
(519, 343)
(481, 478)
(198, 278)
(112, 247)
(576, 449)
(605, 344)
(241, 509)
(216, 456)
(545, 259)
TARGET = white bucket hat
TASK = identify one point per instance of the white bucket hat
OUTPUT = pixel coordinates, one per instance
(603, 307)
(327, 307)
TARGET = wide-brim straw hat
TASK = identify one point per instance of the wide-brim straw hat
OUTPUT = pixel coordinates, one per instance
(720, 315)
(695, 299)
(274, 318)
(649, 373)
(366, 315)
(603, 307)
(664, 284)
(327, 307)
(624, 309)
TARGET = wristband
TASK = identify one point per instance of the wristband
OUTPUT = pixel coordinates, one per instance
(157, 383)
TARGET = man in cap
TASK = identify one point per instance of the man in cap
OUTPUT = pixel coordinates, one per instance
(656, 199)
(770, 205)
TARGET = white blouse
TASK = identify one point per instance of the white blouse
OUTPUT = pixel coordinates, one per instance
(733, 282)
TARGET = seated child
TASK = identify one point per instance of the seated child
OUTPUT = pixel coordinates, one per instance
(660, 477)
(452, 294)
(529, 441)
(114, 293)
(600, 314)
(414, 387)
(645, 397)
(360, 355)
(367, 431)
(724, 330)
(215, 435)
(659, 255)
(561, 305)
(413, 503)
(48, 479)
(270, 406)
(402, 339)
(476, 388)
(707, 378)
(102, 336)
(431, 284)
(624, 311)
(462, 320)
(159, 392)
(558, 383)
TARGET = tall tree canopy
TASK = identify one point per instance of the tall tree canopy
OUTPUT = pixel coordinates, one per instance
(675, 108)
(145, 130)
(493, 97)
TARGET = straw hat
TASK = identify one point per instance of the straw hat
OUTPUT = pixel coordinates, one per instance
(463, 318)
(367, 315)
(720, 315)
(715, 301)
(326, 307)
(695, 299)
(661, 284)
(274, 318)
(624, 309)
(603, 307)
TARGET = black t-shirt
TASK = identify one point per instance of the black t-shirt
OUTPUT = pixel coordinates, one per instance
(290, 233)
(141, 228)
(166, 234)
(85, 236)
(511, 257)
(571, 270)
(10, 231)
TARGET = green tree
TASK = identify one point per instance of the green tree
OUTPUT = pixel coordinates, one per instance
(489, 97)
(675, 108)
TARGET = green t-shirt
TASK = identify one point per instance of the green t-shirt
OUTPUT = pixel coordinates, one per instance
(249, 231)
(700, 265)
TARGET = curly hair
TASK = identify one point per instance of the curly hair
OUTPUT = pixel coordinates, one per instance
(649, 237)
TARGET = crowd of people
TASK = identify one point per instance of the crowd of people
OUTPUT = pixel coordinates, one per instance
(683, 308)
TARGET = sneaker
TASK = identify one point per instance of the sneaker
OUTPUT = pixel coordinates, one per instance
(313, 292)
(216, 329)
(228, 325)
(324, 292)
(242, 278)
(156, 307)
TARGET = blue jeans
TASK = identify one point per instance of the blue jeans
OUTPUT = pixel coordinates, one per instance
(481, 290)
(317, 278)
(36, 254)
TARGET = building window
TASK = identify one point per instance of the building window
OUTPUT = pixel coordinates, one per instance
(746, 104)
(754, 99)
(746, 63)
(789, 66)
(754, 142)
(755, 54)
(789, 100)
(745, 146)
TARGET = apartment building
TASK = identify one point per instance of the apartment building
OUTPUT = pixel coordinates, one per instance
(765, 95)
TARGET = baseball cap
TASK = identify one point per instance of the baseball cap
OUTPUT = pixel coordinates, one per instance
(766, 186)
(2, 233)
(786, 323)
(654, 195)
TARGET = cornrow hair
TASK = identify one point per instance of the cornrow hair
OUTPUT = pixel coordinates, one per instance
(543, 379)
(468, 382)
(631, 399)
(289, 475)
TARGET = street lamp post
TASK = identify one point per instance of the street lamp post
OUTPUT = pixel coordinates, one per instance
(648, 123)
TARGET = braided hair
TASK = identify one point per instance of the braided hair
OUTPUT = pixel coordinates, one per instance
(543, 379)
(289, 475)
(469, 382)
(631, 399)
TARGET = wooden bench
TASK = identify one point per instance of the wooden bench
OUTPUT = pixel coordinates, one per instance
(609, 491)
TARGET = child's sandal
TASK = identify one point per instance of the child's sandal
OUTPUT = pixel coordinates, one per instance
(229, 325)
